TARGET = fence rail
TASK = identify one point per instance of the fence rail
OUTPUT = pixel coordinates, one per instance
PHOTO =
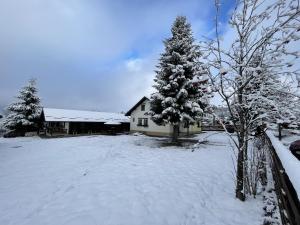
(212, 128)
(288, 201)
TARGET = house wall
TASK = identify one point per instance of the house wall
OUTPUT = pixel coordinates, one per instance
(192, 129)
(154, 129)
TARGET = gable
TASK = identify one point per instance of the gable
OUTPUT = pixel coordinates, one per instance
(142, 100)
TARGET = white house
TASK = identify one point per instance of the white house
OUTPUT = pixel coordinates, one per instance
(141, 122)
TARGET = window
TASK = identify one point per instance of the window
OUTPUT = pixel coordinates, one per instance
(133, 119)
(198, 124)
(186, 124)
(140, 122)
(143, 107)
(145, 122)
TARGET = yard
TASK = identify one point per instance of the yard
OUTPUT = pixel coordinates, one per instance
(114, 180)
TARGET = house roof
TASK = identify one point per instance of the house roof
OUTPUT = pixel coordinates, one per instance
(68, 115)
(136, 105)
(112, 122)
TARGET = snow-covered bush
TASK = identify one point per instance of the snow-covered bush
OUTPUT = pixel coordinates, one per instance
(255, 169)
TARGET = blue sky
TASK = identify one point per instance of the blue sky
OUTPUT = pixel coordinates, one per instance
(91, 54)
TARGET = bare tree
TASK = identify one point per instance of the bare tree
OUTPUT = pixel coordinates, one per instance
(261, 29)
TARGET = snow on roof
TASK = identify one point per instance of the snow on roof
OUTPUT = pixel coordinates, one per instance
(111, 122)
(68, 115)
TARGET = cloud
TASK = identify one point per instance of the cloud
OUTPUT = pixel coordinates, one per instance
(96, 54)
(134, 65)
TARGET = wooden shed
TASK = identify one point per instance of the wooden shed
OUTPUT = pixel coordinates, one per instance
(72, 122)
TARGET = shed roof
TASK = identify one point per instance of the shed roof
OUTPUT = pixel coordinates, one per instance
(69, 115)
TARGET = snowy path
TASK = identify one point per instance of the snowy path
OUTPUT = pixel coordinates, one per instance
(119, 180)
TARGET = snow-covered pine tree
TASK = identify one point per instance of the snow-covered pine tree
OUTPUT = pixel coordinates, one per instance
(24, 113)
(181, 81)
(268, 99)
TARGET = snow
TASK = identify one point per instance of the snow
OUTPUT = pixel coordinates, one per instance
(111, 122)
(288, 136)
(120, 180)
(65, 115)
(289, 161)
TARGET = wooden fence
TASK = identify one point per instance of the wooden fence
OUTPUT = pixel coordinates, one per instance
(212, 128)
(288, 201)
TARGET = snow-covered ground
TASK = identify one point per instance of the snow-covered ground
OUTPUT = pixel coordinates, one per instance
(114, 180)
(288, 136)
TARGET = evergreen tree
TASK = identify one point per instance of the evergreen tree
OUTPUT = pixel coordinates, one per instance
(24, 113)
(181, 81)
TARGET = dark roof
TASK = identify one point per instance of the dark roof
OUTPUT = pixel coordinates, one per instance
(136, 105)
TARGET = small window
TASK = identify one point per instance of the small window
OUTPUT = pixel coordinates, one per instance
(186, 124)
(198, 124)
(133, 119)
(143, 107)
(140, 122)
(145, 122)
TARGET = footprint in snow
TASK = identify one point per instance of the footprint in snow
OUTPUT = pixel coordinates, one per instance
(17, 146)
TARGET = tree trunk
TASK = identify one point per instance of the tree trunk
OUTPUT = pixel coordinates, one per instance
(263, 174)
(279, 131)
(175, 132)
(240, 176)
(239, 192)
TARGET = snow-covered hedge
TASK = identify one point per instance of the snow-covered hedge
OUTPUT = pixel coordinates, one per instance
(290, 163)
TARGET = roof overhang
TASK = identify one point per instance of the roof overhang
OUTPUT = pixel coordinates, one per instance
(136, 105)
(67, 115)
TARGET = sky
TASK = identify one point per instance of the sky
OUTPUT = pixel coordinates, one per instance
(91, 54)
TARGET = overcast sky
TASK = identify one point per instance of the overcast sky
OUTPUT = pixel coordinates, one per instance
(90, 54)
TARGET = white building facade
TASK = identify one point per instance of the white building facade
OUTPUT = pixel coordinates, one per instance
(140, 121)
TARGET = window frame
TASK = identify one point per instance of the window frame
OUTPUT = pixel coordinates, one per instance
(145, 124)
(140, 122)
